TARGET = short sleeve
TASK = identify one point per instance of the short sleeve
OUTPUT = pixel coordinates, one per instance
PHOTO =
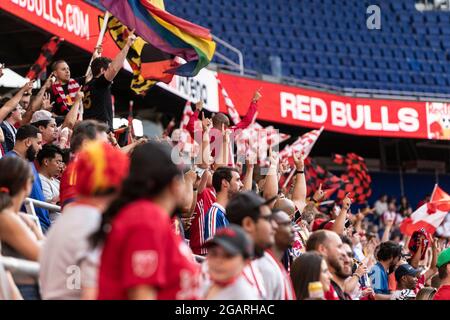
(144, 257)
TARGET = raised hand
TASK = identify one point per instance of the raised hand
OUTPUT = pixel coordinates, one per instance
(347, 202)
(206, 123)
(257, 95)
(131, 38)
(319, 194)
(199, 106)
(28, 86)
(298, 161)
(46, 103)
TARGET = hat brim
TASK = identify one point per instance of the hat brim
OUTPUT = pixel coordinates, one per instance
(227, 246)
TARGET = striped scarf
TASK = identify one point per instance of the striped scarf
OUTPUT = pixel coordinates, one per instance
(62, 101)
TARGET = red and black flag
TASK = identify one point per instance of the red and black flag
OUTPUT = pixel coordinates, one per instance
(316, 175)
(356, 178)
(47, 53)
(149, 64)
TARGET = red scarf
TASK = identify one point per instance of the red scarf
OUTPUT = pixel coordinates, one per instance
(63, 101)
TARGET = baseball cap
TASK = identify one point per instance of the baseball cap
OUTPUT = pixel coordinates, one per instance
(405, 270)
(443, 258)
(100, 169)
(234, 240)
(245, 204)
(41, 115)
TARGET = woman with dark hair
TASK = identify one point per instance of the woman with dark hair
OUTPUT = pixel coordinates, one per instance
(19, 234)
(142, 256)
(309, 267)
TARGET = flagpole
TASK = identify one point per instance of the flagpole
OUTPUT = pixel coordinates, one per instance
(434, 190)
(99, 42)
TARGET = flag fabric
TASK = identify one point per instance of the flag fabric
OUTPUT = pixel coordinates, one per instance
(303, 144)
(356, 178)
(166, 32)
(47, 53)
(428, 216)
(149, 64)
(316, 175)
(231, 109)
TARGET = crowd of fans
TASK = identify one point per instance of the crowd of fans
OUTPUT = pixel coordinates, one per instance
(135, 223)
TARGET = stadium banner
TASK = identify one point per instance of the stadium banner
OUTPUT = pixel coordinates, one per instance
(73, 20)
(202, 87)
(343, 114)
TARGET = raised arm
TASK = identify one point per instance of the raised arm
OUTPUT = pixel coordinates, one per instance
(387, 230)
(248, 178)
(12, 103)
(118, 61)
(36, 104)
(248, 118)
(271, 184)
(71, 118)
(299, 191)
(190, 127)
(339, 223)
(206, 148)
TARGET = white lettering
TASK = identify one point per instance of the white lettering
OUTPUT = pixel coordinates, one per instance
(376, 126)
(358, 122)
(408, 119)
(288, 103)
(385, 120)
(338, 114)
(318, 117)
(303, 108)
(59, 13)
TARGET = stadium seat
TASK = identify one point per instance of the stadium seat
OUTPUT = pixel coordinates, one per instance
(327, 34)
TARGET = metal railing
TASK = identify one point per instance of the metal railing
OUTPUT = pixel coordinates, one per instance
(20, 266)
(240, 65)
(30, 204)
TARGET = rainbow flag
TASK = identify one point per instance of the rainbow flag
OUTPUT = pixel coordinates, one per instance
(166, 32)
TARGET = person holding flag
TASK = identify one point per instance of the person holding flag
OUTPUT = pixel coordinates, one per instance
(97, 100)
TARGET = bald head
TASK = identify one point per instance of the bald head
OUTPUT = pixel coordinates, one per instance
(286, 205)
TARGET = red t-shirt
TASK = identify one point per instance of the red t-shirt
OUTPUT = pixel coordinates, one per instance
(142, 249)
(443, 293)
(204, 202)
(67, 191)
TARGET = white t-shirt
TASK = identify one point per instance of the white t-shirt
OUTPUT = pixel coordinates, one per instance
(273, 278)
(405, 294)
(67, 262)
(238, 290)
(50, 187)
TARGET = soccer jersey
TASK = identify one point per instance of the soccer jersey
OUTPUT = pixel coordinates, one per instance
(379, 278)
(215, 219)
(142, 249)
(204, 202)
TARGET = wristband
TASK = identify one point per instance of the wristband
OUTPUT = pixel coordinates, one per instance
(195, 189)
(299, 171)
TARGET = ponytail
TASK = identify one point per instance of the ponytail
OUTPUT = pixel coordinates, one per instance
(14, 175)
(5, 198)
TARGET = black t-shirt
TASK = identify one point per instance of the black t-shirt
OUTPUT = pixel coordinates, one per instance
(97, 102)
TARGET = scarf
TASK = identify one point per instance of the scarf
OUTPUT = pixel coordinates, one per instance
(62, 101)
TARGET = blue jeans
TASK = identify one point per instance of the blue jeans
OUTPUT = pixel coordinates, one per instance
(29, 291)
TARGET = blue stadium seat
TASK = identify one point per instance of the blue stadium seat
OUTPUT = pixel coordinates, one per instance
(330, 42)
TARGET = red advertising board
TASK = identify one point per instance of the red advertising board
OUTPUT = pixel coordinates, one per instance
(350, 115)
(73, 20)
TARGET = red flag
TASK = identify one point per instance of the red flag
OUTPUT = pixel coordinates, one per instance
(430, 215)
(47, 53)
